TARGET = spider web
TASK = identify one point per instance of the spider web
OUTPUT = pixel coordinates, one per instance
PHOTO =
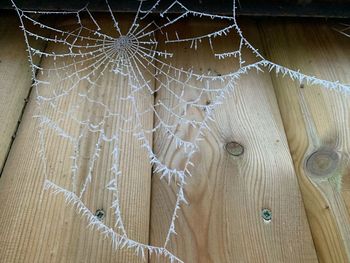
(76, 60)
(344, 30)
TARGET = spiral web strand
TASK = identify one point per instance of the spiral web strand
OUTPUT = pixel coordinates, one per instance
(76, 66)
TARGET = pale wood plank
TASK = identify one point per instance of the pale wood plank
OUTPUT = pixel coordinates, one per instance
(226, 194)
(316, 119)
(52, 231)
(15, 80)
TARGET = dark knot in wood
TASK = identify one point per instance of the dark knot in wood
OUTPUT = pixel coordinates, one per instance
(234, 148)
(322, 162)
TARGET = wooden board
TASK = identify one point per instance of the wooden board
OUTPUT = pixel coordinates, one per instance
(15, 80)
(51, 230)
(316, 120)
(227, 194)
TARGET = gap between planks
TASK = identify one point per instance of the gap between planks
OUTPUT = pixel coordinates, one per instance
(16, 83)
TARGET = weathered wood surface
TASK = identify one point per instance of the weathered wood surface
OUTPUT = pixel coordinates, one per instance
(15, 80)
(227, 194)
(317, 120)
(52, 231)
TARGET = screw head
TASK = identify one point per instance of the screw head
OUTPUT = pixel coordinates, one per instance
(234, 148)
(266, 214)
(100, 214)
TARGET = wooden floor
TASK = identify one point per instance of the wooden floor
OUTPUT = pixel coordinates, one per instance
(287, 131)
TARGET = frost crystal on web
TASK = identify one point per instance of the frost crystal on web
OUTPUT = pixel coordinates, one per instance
(70, 87)
(344, 30)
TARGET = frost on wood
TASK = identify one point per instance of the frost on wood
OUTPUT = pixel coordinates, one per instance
(83, 60)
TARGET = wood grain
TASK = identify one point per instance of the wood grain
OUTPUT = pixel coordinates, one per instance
(51, 230)
(227, 194)
(316, 119)
(15, 80)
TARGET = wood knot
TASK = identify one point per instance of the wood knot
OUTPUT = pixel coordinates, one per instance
(322, 162)
(234, 148)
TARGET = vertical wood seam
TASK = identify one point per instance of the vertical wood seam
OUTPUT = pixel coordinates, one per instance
(14, 133)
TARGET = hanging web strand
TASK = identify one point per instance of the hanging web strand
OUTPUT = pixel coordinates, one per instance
(144, 54)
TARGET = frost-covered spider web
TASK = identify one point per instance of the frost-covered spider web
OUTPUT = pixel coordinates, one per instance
(344, 30)
(142, 67)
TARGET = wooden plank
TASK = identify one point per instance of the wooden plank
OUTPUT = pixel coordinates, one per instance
(15, 80)
(51, 230)
(227, 194)
(316, 120)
